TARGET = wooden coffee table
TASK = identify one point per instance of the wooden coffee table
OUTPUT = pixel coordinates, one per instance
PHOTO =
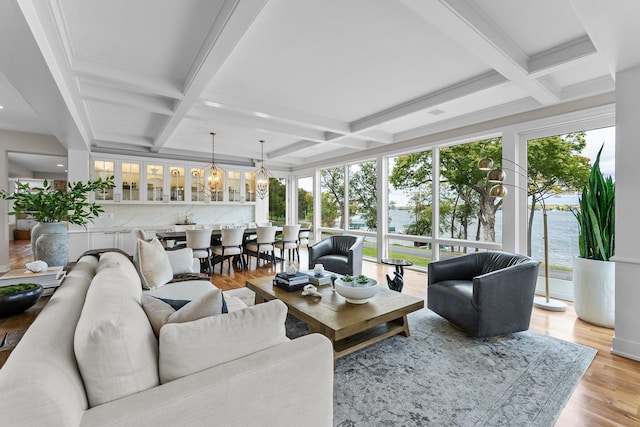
(350, 327)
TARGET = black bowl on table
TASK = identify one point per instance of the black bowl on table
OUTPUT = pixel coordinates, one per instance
(21, 300)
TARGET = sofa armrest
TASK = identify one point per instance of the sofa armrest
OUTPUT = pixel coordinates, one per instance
(290, 384)
(321, 248)
(355, 256)
(515, 284)
(459, 268)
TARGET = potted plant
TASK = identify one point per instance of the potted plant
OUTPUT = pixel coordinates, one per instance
(53, 208)
(593, 273)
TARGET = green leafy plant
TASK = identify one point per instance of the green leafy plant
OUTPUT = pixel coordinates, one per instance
(17, 289)
(596, 216)
(347, 278)
(362, 279)
(46, 204)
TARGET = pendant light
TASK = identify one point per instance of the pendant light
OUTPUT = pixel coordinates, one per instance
(262, 176)
(216, 174)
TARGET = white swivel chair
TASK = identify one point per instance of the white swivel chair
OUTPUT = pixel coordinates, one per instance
(264, 242)
(231, 246)
(289, 241)
(200, 242)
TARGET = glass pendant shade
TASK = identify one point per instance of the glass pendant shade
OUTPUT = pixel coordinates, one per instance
(496, 176)
(216, 174)
(498, 191)
(262, 176)
(485, 164)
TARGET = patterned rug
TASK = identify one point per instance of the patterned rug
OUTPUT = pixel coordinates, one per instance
(439, 376)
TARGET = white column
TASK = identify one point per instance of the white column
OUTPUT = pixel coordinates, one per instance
(514, 206)
(4, 220)
(382, 196)
(626, 341)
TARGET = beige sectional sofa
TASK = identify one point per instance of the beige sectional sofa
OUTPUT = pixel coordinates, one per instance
(91, 358)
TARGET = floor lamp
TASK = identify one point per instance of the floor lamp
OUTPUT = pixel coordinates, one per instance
(497, 176)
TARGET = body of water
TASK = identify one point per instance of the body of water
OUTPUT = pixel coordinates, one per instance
(562, 227)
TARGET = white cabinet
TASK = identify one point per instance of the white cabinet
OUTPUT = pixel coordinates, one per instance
(153, 181)
(127, 241)
(103, 239)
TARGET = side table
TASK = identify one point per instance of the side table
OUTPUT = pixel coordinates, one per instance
(398, 281)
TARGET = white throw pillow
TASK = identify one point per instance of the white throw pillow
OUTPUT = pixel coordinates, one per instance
(190, 347)
(181, 261)
(115, 347)
(160, 313)
(153, 264)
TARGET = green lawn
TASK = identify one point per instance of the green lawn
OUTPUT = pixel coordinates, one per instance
(417, 260)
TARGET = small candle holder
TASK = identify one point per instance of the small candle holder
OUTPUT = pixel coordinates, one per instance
(333, 282)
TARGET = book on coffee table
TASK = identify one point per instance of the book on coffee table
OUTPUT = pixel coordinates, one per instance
(319, 279)
(22, 275)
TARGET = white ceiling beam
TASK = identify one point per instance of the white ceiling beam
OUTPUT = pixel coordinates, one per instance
(561, 56)
(31, 63)
(261, 108)
(91, 91)
(231, 24)
(290, 149)
(143, 83)
(220, 115)
(110, 139)
(463, 21)
(430, 100)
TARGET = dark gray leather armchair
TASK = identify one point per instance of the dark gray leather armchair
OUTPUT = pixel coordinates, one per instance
(484, 293)
(341, 254)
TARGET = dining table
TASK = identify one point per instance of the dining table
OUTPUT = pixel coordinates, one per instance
(173, 240)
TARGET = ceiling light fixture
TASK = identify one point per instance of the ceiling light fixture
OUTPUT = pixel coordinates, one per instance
(216, 174)
(262, 176)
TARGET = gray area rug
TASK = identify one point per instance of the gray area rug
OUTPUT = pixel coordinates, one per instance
(439, 376)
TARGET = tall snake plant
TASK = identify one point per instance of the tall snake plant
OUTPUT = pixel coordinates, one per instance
(596, 217)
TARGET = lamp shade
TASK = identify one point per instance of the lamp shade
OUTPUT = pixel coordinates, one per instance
(498, 191)
(496, 175)
(485, 164)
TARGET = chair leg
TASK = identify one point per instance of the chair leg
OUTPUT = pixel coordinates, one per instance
(222, 261)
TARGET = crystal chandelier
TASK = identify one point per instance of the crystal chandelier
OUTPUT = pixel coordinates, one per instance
(262, 176)
(216, 174)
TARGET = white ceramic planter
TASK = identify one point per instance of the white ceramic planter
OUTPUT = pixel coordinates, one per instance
(50, 243)
(594, 291)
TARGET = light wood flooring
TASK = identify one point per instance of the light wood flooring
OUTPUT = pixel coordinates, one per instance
(608, 394)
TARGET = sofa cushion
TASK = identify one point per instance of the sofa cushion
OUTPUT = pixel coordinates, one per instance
(153, 264)
(160, 313)
(114, 344)
(181, 261)
(190, 347)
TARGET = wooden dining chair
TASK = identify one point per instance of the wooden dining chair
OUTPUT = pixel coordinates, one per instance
(289, 241)
(264, 243)
(231, 246)
(200, 242)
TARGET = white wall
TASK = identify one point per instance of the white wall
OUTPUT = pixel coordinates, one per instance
(626, 341)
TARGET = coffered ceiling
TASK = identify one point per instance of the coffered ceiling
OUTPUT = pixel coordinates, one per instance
(316, 79)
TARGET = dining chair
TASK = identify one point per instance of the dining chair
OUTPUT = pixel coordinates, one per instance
(231, 246)
(142, 235)
(200, 242)
(303, 239)
(264, 243)
(289, 241)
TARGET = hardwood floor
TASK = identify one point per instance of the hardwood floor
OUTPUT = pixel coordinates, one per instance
(607, 395)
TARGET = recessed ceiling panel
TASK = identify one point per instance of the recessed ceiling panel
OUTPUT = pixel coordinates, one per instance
(342, 59)
(116, 119)
(535, 26)
(161, 37)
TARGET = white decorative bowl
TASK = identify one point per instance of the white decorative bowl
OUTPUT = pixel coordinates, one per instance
(356, 293)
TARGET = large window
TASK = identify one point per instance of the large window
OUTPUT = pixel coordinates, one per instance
(558, 168)
(467, 209)
(363, 202)
(277, 201)
(305, 200)
(332, 197)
